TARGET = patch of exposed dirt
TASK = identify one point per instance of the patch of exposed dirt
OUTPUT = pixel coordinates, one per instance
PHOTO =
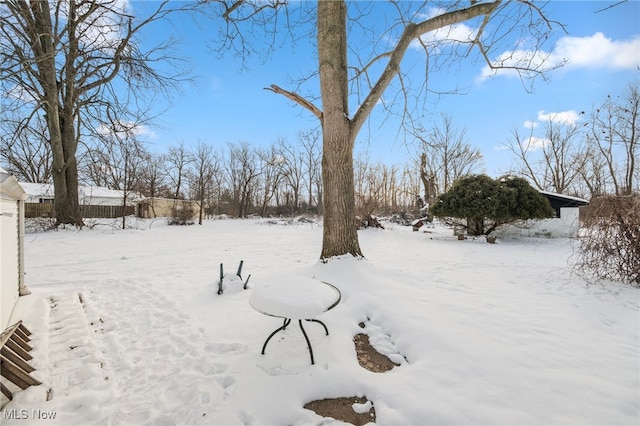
(342, 409)
(370, 358)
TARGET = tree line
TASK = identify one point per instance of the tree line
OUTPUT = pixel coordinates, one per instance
(590, 157)
(236, 179)
(593, 157)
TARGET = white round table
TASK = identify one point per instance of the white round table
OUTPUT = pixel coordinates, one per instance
(294, 297)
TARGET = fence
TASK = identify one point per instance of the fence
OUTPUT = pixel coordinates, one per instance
(88, 211)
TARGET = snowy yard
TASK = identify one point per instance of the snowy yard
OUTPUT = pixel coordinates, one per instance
(128, 329)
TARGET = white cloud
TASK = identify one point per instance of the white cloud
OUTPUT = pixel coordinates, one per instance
(593, 52)
(128, 128)
(533, 143)
(448, 34)
(598, 51)
(145, 132)
(570, 117)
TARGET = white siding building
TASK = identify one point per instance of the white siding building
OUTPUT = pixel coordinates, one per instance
(12, 285)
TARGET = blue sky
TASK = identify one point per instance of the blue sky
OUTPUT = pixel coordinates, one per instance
(229, 104)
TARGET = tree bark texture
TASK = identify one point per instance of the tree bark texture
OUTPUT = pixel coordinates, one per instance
(340, 235)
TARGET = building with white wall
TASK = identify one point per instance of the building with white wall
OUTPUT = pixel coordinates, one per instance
(566, 222)
(87, 195)
(12, 285)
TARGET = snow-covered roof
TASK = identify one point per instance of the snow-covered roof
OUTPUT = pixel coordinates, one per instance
(46, 190)
(37, 189)
(566, 197)
(99, 192)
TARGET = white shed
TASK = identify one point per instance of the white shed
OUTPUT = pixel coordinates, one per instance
(12, 245)
(566, 222)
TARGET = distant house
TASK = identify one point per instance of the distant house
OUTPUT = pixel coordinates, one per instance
(105, 202)
(87, 195)
(38, 192)
(12, 285)
(566, 222)
(561, 201)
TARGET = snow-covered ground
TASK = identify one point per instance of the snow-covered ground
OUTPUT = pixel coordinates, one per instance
(128, 329)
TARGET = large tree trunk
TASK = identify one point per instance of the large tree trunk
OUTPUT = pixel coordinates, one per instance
(67, 204)
(65, 184)
(340, 235)
(339, 231)
(69, 213)
(72, 214)
(65, 172)
(60, 119)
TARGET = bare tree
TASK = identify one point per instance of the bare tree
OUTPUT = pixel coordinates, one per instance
(271, 175)
(343, 69)
(593, 176)
(389, 176)
(292, 173)
(553, 162)
(242, 171)
(26, 152)
(203, 167)
(219, 180)
(365, 202)
(312, 155)
(379, 188)
(445, 156)
(409, 189)
(153, 177)
(94, 164)
(61, 57)
(177, 162)
(116, 160)
(614, 135)
(375, 183)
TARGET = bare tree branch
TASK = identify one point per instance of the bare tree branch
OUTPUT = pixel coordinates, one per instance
(297, 99)
(611, 6)
(410, 33)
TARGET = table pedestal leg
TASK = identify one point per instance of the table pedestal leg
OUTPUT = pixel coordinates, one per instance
(326, 330)
(286, 323)
(307, 339)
